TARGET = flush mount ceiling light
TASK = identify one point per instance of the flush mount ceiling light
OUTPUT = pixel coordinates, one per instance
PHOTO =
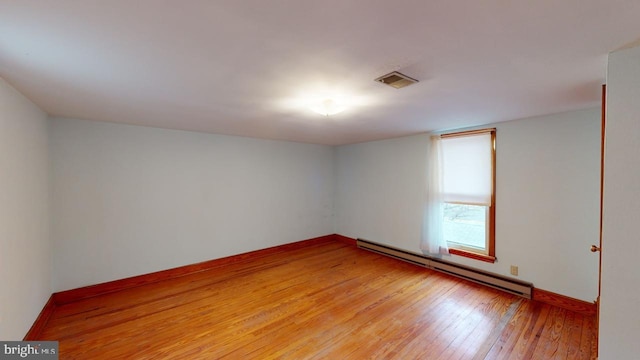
(327, 107)
(324, 99)
(396, 80)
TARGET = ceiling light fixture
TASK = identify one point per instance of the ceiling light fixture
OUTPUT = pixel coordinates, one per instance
(327, 107)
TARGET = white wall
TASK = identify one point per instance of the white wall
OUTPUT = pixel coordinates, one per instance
(620, 297)
(379, 187)
(25, 254)
(547, 195)
(131, 200)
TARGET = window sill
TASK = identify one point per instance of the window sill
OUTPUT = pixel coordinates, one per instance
(471, 255)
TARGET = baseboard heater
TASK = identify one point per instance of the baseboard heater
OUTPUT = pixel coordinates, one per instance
(512, 286)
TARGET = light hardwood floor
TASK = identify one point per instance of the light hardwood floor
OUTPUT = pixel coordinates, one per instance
(327, 301)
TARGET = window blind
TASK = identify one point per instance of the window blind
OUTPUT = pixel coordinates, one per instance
(467, 169)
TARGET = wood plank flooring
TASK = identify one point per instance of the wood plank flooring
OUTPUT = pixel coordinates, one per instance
(327, 301)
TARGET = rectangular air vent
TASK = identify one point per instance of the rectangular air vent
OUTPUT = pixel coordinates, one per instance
(396, 79)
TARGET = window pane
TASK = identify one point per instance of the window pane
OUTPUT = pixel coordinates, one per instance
(465, 225)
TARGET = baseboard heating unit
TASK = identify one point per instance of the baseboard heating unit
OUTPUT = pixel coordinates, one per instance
(516, 287)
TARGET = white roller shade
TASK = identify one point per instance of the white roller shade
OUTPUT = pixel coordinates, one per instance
(468, 174)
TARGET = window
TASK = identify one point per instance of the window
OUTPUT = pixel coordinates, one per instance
(468, 162)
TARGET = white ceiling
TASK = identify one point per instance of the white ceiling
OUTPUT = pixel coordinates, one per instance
(233, 67)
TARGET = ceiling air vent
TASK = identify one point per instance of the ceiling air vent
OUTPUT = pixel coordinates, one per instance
(396, 79)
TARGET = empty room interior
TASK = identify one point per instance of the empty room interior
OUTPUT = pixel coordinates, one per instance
(321, 180)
